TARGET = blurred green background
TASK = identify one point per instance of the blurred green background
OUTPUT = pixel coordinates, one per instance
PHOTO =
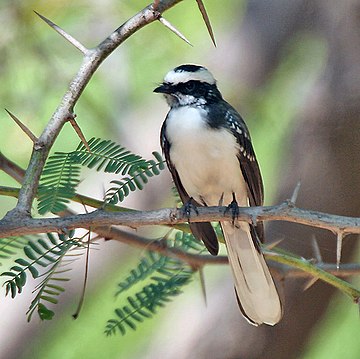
(35, 67)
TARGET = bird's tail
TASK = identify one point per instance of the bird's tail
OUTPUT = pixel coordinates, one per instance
(255, 289)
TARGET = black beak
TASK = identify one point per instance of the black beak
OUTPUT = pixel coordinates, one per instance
(164, 88)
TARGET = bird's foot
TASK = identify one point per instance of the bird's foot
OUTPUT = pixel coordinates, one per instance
(189, 207)
(233, 208)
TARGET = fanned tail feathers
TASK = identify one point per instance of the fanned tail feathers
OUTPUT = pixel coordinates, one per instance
(255, 289)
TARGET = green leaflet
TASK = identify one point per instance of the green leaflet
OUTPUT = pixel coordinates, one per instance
(9, 247)
(43, 259)
(167, 277)
(61, 174)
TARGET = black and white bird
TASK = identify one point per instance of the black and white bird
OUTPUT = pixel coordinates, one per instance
(208, 150)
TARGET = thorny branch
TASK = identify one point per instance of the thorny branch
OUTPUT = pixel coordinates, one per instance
(169, 216)
(100, 222)
(92, 59)
(19, 222)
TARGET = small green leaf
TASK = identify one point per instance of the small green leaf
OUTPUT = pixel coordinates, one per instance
(22, 262)
(16, 269)
(49, 299)
(9, 274)
(45, 313)
(34, 272)
(30, 253)
(12, 287)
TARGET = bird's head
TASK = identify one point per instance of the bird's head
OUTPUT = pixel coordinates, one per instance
(189, 85)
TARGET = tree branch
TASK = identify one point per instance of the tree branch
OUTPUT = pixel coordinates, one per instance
(281, 264)
(91, 61)
(168, 216)
(18, 221)
(11, 168)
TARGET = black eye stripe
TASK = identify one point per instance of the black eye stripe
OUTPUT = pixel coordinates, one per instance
(197, 89)
(189, 86)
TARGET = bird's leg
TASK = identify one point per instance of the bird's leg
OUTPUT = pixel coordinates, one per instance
(188, 207)
(233, 207)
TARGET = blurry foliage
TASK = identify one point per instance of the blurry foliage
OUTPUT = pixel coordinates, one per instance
(36, 65)
(164, 277)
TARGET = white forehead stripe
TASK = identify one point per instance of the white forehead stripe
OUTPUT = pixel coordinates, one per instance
(202, 75)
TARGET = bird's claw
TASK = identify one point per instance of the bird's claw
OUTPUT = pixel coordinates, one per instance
(233, 207)
(188, 207)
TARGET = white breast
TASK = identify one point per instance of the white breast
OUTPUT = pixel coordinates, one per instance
(205, 158)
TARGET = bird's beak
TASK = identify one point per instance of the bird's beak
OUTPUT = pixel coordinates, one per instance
(164, 88)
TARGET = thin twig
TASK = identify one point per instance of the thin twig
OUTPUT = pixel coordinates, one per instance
(11, 168)
(198, 261)
(169, 216)
(86, 274)
(92, 60)
(317, 272)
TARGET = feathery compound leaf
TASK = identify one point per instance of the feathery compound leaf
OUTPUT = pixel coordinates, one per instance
(146, 302)
(167, 277)
(58, 183)
(9, 247)
(61, 174)
(107, 156)
(147, 266)
(137, 177)
(40, 253)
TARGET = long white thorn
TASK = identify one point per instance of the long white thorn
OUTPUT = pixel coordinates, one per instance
(295, 194)
(26, 130)
(339, 239)
(64, 34)
(174, 30)
(316, 250)
(206, 20)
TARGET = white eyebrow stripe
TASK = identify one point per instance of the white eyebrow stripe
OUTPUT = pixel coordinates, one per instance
(202, 75)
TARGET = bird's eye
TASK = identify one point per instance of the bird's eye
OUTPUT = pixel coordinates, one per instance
(190, 86)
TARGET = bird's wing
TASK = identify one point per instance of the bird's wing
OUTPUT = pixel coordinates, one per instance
(203, 231)
(246, 156)
(255, 289)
